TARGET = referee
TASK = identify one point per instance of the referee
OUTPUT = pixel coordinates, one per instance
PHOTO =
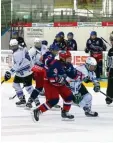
(110, 72)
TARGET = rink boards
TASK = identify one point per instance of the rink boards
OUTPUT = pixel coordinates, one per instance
(102, 83)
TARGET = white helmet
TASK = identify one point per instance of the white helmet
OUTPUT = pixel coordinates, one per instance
(36, 40)
(37, 43)
(13, 45)
(91, 64)
(13, 42)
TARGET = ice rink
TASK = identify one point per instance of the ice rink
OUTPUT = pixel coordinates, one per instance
(17, 123)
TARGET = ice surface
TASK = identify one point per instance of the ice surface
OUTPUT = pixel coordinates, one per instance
(17, 123)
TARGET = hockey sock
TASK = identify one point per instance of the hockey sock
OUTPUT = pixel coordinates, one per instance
(35, 93)
(48, 105)
(67, 103)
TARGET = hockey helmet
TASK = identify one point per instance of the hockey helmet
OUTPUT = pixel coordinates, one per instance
(13, 45)
(37, 43)
(65, 56)
(54, 47)
(91, 64)
(58, 37)
(93, 33)
(44, 42)
(61, 34)
(70, 35)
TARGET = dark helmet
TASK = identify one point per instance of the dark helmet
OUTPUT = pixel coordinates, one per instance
(44, 42)
(61, 33)
(58, 36)
(53, 48)
(93, 33)
(70, 34)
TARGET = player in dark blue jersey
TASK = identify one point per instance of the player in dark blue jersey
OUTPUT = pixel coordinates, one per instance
(40, 72)
(60, 41)
(50, 55)
(55, 85)
(96, 46)
(71, 43)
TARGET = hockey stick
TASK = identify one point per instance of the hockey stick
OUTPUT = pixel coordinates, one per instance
(2, 81)
(106, 41)
(10, 98)
(105, 95)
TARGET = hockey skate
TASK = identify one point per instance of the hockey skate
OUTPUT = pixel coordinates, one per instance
(89, 113)
(66, 116)
(29, 104)
(35, 115)
(21, 103)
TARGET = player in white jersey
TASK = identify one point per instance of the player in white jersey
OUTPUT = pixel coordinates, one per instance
(36, 53)
(81, 95)
(21, 67)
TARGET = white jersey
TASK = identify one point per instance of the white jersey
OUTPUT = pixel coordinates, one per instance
(76, 85)
(36, 55)
(22, 63)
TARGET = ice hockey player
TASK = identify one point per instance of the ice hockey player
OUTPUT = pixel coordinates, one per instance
(22, 69)
(110, 72)
(60, 41)
(54, 85)
(82, 97)
(71, 43)
(36, 54)
(20, 39)
(40, 72)
(95, 46)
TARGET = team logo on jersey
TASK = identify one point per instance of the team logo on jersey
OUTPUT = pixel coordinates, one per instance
(55, 71)
(97, 42)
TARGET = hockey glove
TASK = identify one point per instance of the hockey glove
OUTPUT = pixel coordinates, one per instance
(96, 87)
(7, 76)
(61, 79)
(86, 50)
(87, 79)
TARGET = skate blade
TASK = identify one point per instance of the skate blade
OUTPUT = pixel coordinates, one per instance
(92, 116)
(67, 119)
(27, 108)
(23, 105)
(110, 105)
(55, 109)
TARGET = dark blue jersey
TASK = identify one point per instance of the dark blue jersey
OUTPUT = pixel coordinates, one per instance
(72, 45)
(48, 57)
(58, 69)
(95, 45)
(61, 44)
